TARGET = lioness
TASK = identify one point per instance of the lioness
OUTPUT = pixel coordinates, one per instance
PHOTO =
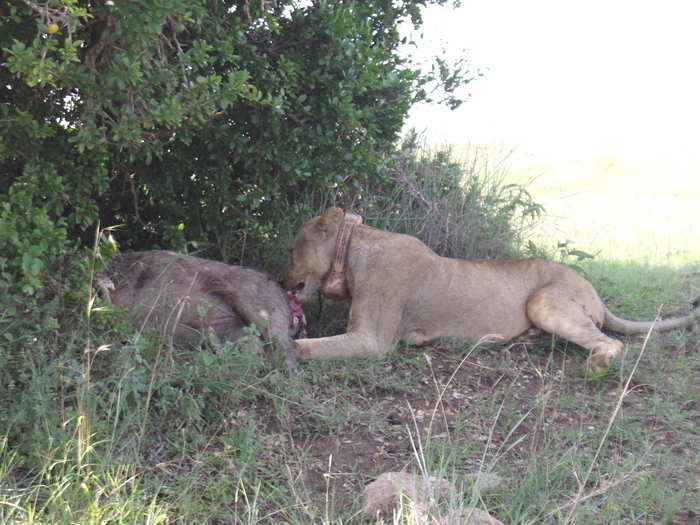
(401, 290)
(183, 297)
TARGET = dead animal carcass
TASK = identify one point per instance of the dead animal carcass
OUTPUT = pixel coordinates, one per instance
(185, 297)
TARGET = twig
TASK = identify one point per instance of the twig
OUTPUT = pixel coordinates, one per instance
(135, 196)
(95, 50)
(49, 13)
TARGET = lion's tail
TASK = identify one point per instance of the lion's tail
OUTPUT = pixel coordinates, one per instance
(626, 327)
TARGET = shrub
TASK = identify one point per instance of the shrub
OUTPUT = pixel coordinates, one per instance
(460, 209)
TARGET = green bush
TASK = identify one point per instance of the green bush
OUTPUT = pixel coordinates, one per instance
(197, 126)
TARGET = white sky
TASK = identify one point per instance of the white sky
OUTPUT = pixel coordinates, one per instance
(572, 78)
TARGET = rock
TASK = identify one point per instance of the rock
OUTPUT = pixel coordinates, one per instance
(382, 497)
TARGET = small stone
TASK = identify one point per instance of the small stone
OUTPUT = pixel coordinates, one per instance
(422, 493)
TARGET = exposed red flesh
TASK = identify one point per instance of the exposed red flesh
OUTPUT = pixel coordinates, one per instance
(298, 317)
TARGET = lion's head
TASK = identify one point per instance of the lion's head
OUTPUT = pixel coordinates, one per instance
(311, 254)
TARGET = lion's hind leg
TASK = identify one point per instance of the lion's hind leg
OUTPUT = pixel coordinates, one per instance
(561, 313)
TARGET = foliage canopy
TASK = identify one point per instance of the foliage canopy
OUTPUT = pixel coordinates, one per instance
(193, 120)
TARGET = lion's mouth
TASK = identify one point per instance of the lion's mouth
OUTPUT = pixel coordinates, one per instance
(298, 287)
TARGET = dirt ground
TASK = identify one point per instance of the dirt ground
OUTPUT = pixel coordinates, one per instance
(499, 406)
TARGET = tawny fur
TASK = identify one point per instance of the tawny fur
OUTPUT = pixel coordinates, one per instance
(401, 290)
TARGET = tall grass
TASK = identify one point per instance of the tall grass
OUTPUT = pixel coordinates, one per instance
(459, 209)
(74, 485)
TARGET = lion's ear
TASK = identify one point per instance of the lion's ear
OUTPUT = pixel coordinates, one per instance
(331, 219)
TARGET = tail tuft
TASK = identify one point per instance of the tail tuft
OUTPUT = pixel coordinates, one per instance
(696, 303)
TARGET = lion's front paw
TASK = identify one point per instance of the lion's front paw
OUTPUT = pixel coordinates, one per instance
(598, 363)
